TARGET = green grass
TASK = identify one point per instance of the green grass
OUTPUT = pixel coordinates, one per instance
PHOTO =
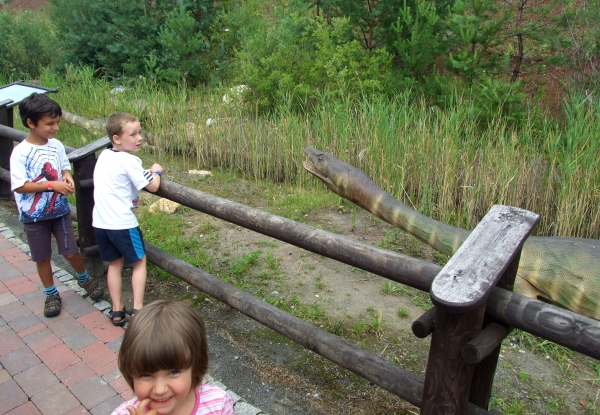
(445, 163)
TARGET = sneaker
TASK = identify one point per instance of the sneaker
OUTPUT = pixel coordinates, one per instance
(52, 305)
(92, 288)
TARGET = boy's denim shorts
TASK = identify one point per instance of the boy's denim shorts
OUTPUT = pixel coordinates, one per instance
(39, 236)
(117, 243)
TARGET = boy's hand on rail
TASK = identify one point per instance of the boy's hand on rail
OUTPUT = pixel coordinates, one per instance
(156, 167)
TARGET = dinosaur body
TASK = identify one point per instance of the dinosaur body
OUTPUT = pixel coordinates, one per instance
(562, 271)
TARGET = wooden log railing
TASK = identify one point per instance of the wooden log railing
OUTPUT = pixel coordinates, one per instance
(491, 315)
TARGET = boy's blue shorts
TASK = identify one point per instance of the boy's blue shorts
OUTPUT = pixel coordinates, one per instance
(117, 243)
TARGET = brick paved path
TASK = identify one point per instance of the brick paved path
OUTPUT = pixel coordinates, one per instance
(60, 365)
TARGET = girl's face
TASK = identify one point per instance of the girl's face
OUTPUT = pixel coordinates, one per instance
(170, 392)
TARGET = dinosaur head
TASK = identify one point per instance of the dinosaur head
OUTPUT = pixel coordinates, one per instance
(341, 178)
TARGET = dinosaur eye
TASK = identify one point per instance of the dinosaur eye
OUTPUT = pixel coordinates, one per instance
(320, 158)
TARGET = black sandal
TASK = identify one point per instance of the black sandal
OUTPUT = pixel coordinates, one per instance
(134, 311)
(116, 314)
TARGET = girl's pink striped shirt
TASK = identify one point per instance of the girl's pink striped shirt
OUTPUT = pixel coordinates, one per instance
(210, 400)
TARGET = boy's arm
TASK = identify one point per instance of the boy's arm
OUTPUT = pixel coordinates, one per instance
(156, 171)
(48, 186)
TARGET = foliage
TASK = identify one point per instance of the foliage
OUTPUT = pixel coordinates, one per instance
(299, 58)
(28, 44)
(134, 38)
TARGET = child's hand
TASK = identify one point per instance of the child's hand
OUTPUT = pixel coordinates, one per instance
(67, 178)
(156, 167)
(141, 409)
(64, 188)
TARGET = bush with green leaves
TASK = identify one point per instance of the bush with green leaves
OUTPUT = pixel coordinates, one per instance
(299, 58)
(162, 39)
(28, 44)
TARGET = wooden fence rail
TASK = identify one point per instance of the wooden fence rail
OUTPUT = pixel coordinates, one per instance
(496, 309)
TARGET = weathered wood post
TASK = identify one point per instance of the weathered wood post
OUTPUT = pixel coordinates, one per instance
(6, 146)
(460, 292)
(84, 161)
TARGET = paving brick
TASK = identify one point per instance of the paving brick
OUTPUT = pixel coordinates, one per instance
(107, 332)
(82, 312)
(64, 325)
(93, 320)
(92, 391)
(17, 257)
(36, 379)
(44, 343)
(112, 376)
(97, 355)
(115, 344)
(26, 267)
(79, 339)
(4, 328)
(120, 385)
(31, 330)
(4, 376)
(55, 400)
(11, 395)
(24, 322)
(16, 281)
(108, 406)
(36, 335)
(13, 311)
(7, 298)
(107, 368)
(9, 272)
(23, 288)
(3, 288)
(127, 395)
(75, 373)
(76, 302)
(33, 277)
(28, 408)
(19, 360)
(58, 357)
(9, 341)
(78, 411)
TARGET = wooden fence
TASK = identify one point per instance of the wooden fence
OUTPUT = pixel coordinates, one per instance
(473, 311)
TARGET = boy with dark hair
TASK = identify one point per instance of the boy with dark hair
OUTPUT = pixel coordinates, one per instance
(40, 179)
(118, 178)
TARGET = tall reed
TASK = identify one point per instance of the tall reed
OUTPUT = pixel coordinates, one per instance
(442, 162)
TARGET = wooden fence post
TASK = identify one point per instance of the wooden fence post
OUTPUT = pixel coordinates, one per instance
(460, 293)
(6, 146)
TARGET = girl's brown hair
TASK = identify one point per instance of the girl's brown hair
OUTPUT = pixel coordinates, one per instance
(164, 335)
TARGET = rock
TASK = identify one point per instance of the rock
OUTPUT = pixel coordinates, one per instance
(203, 173)
(163, 205)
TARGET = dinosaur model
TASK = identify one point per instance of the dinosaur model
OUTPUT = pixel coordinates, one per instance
(561, 271)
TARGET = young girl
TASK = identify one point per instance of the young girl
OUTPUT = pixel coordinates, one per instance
(163, 358)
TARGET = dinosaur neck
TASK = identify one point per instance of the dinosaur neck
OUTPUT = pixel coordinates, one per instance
(442, 237)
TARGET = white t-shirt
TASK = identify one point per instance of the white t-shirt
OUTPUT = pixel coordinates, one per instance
(33, 163)
(210, 400)
(118, 177)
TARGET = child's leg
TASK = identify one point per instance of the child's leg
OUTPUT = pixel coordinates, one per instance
(44, 270)
(113, 277)
(67, 247)
(138, 283)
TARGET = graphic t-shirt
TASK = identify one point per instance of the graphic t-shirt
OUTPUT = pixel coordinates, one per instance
(210, 400)
(118, 177)
(33, 163)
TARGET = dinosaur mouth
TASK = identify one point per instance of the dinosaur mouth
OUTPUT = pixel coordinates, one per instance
(310, 167)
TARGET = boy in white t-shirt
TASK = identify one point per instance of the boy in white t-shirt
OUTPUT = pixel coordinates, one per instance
(118, 178)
